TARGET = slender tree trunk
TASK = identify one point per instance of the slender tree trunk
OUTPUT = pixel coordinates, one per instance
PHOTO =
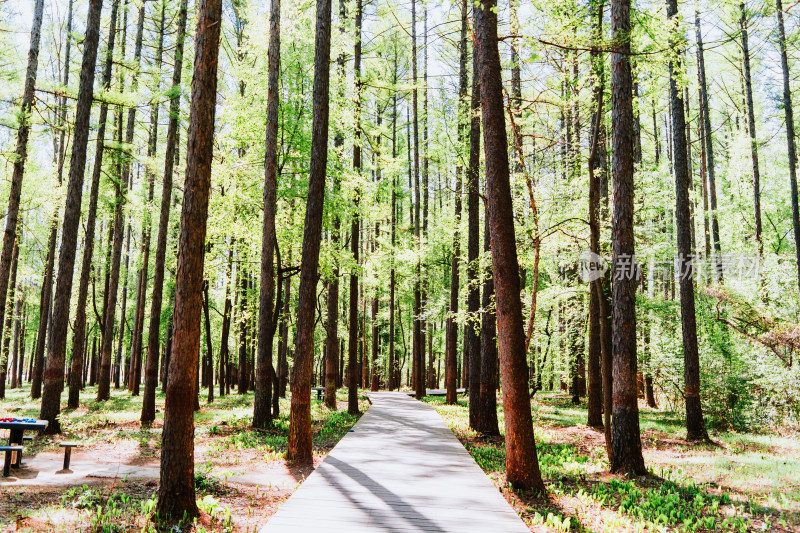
(151, 371)
(226, 324)
(352, 349)
(20, 157)
(300, 450)
(104, 382)
(79, 333)
(790, 139)
(695, 426)
(18, 354)
(54, 373)
(37, 357)
(242, 326)
(117, 369)
(262, 415)
(626, 456)
(522, 466)
(392, 378)
(375, 374)
(751, 127)
(595, 400)
(283, 361)
(482, 409)
(705, 112)
(176, 497)
(417, 338)
(451, 357)
(147, 223)
(11, 313)
(486, 417)
(332, 351)
(209, 345)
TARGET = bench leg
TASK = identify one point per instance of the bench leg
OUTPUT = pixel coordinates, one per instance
(7, 464)
(67, 454)
(16, 439)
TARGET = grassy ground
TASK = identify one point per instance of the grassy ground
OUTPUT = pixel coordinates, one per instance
(745, 483)
(226, 449)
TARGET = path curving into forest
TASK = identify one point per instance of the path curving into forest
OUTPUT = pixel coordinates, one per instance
(401, 469)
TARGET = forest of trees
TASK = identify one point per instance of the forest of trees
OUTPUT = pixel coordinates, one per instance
(212, 197)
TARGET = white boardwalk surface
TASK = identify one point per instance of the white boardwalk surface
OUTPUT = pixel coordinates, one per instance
(402, 470)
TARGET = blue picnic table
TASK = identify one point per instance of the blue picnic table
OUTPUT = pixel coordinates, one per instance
(17, 428)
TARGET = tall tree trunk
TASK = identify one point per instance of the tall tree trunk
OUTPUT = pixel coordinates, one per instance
(522, 465)
(451, 357)
(695, 426)
(482, 409)
(20, 157)
(392, 378)
(37, 357)
(18, 355)
(241, 325)
(424, 333)
(147, 223)
(751, 127)
(11, 313)
(486, 417)
(300, 450)
(417, 338)
(375, 373)
(104, 382)
(176, 496)
(332, 348)
(790, 139)
(117, 368)
(224, 350)
(209, 345)
(153, 338)
(54, 373)
(352, 349)
(267, 314)
(595, 166)
(705, 112)
(626, 456)
(283, 362)
(79, 333)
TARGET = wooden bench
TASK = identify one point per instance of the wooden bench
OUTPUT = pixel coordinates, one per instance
(68, 445)
(319, 391)
(10, 450)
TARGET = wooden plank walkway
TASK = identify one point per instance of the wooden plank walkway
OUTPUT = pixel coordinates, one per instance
(400, 470)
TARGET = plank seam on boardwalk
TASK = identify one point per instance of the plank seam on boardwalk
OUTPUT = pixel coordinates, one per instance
(402, 470)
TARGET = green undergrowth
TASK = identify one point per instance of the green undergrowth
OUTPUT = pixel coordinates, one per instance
(676, 495)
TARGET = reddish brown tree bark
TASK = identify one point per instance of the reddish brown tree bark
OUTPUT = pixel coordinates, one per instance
(522, 465)
(54, 373)
(300, 450)
(176, 495)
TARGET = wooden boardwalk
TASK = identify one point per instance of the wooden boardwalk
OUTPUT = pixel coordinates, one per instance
(402, 470)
